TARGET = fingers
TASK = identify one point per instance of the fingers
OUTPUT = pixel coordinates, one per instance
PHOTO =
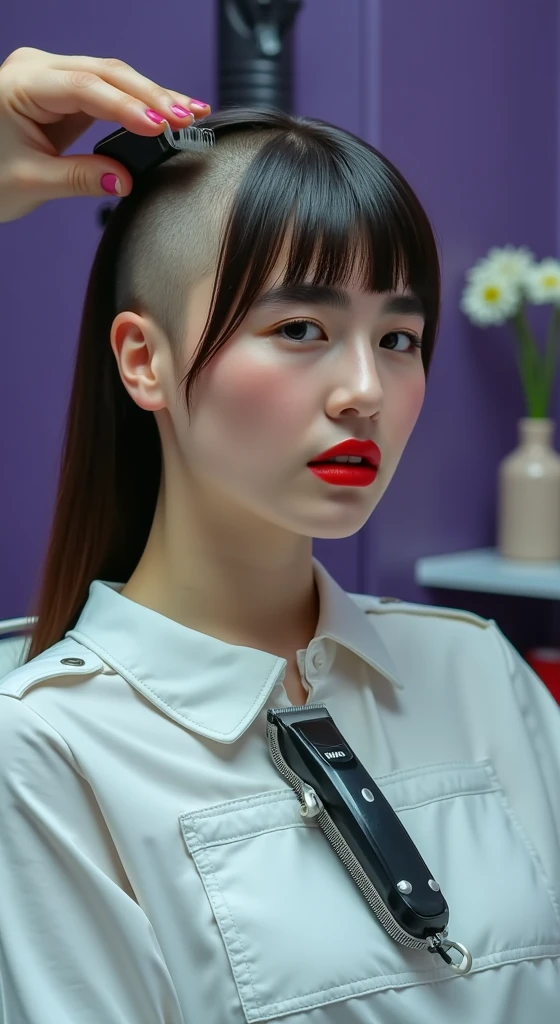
(48, 94)
(103, 88)
(123, 76)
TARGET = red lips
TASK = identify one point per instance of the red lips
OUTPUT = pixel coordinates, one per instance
(366, 449)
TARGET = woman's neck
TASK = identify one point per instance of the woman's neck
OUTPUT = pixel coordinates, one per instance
(241, 585)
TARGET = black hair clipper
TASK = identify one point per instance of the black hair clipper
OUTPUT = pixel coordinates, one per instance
(334, 788)
(142, 153)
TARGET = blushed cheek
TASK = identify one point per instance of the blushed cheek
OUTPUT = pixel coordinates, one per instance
(254, 400)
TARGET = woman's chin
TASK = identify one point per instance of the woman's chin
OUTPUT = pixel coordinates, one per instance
(345, 523)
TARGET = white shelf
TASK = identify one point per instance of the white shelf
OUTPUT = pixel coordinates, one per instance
(485, 569)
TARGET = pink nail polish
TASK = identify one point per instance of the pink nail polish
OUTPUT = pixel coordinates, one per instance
(181, 111)
(111, 184)
(199, 103)
(154, 116)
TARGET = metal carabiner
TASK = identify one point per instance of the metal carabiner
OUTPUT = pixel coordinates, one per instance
(443, 945)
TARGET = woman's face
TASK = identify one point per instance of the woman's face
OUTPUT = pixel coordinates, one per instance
(302, 373)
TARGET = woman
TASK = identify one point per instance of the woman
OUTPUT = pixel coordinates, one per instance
(249, 309)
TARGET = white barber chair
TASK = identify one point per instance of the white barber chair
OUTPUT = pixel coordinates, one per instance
(13, 643)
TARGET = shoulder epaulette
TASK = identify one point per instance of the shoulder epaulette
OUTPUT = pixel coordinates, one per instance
(66, 658)
(389, 605)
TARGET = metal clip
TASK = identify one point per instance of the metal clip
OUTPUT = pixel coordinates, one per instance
(441, 946)
(312, 805)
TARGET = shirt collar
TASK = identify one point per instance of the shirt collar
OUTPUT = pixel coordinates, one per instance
(213, 688)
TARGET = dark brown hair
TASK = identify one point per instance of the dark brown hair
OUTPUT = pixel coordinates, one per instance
(341, 207)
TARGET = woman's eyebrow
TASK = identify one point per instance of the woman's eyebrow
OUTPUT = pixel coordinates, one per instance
(338, 298)
(407, 305)
(311, 294)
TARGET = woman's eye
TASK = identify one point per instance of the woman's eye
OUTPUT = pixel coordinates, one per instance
(296, 330)
(407, 342)
(308, 331)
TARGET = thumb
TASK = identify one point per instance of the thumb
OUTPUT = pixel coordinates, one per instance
(65, 176)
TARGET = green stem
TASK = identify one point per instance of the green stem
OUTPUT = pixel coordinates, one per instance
(550, 356)
(530, 366)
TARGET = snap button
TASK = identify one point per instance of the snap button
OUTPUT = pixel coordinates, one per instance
(72, 661)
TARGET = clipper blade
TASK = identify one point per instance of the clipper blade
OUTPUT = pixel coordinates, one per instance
(141, 154)
(192, 139)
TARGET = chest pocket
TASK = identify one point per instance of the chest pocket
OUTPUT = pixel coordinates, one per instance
(298, 932)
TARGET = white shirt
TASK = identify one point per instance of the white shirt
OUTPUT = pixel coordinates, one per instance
(154, 866)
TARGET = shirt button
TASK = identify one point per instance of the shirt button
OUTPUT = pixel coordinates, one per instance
(318, 660)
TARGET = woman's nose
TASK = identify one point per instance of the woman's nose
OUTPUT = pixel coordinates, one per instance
(358, 386)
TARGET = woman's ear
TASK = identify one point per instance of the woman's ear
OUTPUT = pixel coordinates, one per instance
(140, 348)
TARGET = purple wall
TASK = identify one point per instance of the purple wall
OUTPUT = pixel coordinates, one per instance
(463, 98)
(469, 114)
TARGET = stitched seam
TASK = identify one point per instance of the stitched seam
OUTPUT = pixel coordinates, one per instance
(395, 978)
(472, 766)
(209, 843)
(457, 617)
(210, 872)
(445, 796)
(511, 670)
(232, 806)
(532, 851)
(159, 700)
(50, 671)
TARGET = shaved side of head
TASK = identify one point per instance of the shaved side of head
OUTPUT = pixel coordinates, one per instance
(175, 238)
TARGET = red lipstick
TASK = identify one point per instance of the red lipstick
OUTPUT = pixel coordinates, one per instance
(349, 474)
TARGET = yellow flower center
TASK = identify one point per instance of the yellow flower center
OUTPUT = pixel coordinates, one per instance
(491, 293)
(550, 281)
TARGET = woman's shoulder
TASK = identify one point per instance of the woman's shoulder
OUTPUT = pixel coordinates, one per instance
(433, 644)
(29, 734)
(64, 659)
(381, 608)
(443, 649)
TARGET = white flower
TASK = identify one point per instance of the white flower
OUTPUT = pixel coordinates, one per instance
(509, 262)
(542, 282)
(489, 298)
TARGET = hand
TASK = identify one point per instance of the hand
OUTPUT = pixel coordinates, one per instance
(47, 100)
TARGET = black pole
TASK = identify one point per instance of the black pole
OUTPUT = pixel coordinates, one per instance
(255, 53)
(254, 59)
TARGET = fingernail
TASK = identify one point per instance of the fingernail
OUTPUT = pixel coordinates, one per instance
(154, 116)
(110, 183)
(181, 111)
(199, 103)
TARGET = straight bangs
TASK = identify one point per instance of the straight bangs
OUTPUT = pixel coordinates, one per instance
(321, 207)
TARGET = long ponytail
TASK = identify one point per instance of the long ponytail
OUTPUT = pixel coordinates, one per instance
(110, 468)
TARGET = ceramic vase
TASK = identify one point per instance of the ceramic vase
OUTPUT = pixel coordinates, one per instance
(529, 496)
